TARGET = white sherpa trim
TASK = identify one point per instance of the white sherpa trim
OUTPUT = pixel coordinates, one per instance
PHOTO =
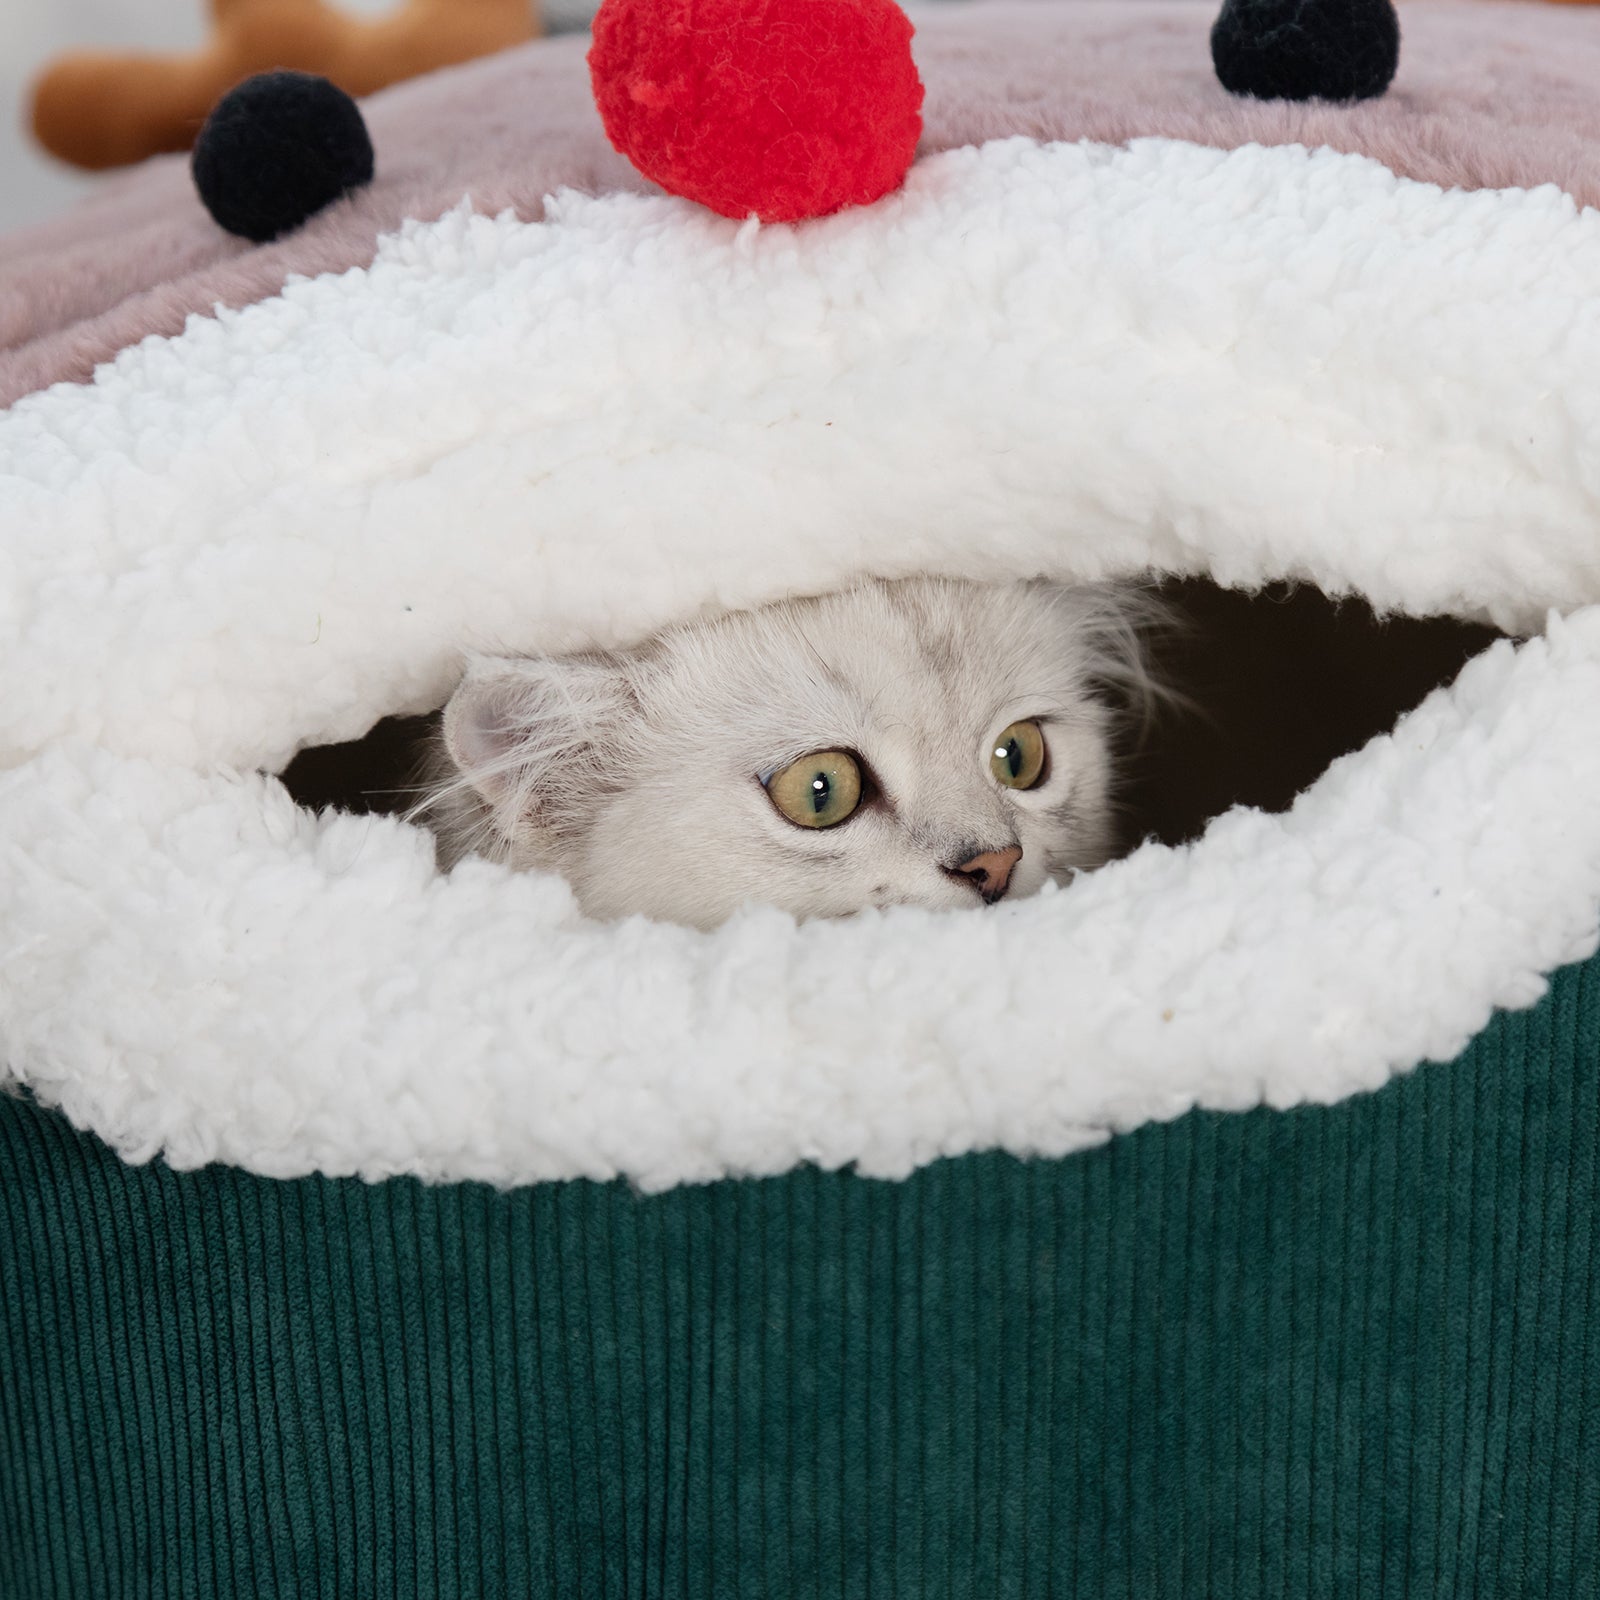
(289, 521)
(212, 974)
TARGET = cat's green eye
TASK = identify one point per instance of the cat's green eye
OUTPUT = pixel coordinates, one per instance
(819, 790)
(1017, 759)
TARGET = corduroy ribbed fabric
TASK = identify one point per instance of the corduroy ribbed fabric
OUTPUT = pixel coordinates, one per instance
(1341, 1352)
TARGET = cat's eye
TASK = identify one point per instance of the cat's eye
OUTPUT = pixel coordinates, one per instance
(819, 790)
(1017, 759)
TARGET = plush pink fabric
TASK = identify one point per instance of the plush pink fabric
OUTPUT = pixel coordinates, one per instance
(1488, 95)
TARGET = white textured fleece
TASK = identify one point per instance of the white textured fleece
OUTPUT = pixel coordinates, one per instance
(291, 520)
(207, 972)
(288, 521)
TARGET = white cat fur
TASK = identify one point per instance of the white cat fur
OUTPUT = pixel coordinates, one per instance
(639, 776)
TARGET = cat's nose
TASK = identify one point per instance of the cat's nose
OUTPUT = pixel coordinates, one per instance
(989, 872)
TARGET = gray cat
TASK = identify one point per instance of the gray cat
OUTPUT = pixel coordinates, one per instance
(927, 742)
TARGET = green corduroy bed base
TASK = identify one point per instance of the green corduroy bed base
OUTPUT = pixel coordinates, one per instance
(1344, 1352)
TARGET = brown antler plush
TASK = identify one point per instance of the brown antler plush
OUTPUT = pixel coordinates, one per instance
(102, 110)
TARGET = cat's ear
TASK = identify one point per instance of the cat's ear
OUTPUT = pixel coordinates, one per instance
(539, 741)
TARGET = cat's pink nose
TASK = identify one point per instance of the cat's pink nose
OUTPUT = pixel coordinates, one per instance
(989, 872)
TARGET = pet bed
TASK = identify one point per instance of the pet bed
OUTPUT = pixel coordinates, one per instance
(368, 1232)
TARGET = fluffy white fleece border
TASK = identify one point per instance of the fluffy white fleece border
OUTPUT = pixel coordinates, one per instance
(289, 521)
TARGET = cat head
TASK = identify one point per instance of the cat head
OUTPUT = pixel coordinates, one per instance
(927, 742)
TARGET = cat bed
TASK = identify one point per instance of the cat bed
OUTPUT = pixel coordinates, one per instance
(369, 1231)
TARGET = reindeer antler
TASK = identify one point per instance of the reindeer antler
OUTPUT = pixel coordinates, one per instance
(97, 109)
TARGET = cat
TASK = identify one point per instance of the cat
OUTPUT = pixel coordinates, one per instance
(926, 742)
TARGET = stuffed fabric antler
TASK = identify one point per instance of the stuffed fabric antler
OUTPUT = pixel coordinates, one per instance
(98, 109)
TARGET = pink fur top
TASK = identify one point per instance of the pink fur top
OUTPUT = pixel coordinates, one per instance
(1490, 94)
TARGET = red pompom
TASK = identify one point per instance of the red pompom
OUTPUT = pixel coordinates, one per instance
(783, 108)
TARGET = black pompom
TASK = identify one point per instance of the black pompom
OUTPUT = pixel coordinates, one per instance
(1306, 49)
(276, 150)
